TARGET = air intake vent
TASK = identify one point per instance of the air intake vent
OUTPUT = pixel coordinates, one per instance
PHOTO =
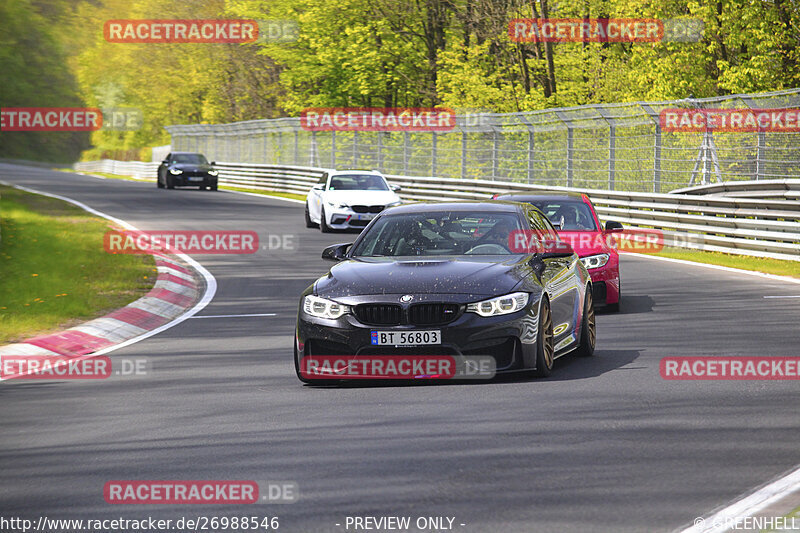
(432, 314)
(379, 314)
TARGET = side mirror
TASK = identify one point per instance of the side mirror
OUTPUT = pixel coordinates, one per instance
(336, 252)
(318, 187)
(554, 249)
(396, 188)
(558, 224)
(165, 162)
(613, 226)
(213, 163)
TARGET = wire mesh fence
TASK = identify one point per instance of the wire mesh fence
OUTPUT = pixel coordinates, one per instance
(609, 146)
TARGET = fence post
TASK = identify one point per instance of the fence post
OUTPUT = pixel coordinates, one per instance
(333, 149)
(656, 147)
(434, 153)
(405, 152)
(570, 144)
(296, 147)
(313, 148)
(380, 151)
(762, 141)
(463, 154)
(355, 149)
(495, 154)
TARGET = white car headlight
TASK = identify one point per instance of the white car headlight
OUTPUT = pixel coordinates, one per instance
(398, 202)
(594, 261)
(324, 308)
(175, 171)
(337, 205)
(501, 305)
(213, 172)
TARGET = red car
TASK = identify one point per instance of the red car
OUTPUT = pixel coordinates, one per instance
(576, 220)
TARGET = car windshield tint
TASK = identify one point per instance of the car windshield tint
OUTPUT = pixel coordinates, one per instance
(573, 215)
(192, 159)
(357, 182)
(439, 233)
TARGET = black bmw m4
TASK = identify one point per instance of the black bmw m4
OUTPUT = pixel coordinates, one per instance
(444, 279)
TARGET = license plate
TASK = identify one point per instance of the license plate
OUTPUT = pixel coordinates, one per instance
(196, 178)
(365, 217)
(406, 338)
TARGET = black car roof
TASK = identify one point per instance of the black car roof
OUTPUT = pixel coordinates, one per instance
(186, 153)
(466, 205)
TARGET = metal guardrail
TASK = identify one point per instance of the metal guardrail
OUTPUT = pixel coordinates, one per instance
(137, 169)
(778, 189)
(749, 226)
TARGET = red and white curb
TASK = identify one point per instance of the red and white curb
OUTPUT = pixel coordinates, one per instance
(183, 288)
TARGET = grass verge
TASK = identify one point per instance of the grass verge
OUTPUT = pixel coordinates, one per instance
(744, 262)
(54, 272)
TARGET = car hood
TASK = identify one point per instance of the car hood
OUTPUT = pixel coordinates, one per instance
(361, 197)
(191, 167)
(587, 243)
(478, 277)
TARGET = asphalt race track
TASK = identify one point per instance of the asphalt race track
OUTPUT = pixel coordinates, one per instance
(605, 444)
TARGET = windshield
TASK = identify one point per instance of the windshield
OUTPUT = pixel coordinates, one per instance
(357, 182)
(192, 159)
(573, 215)
(439, 233)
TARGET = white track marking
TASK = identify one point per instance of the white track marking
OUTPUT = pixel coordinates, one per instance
(211, 282)
(787, 296)
(234, 316)
(726, 518)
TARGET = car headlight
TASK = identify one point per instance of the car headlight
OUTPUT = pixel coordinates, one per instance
(337, 205)
(594, 261)
(324, 308)
(175, 171)
(501, 305)
(398, 202)
(213, 172)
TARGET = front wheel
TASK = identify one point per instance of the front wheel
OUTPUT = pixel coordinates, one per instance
(309, 222)
(170, 183)
(323, 224)
(588, 328)
(545, 343)
(158, 183)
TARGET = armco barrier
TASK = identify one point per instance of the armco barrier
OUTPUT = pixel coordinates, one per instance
(778, 189)
(763, 227)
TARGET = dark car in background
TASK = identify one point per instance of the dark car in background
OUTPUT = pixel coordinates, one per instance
(576, 220)
(447, 271)
(187, 169)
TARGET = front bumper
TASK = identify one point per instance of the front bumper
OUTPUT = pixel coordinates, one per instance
(509, 339)
(193, 180)
(346, 218)
(605, 283)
